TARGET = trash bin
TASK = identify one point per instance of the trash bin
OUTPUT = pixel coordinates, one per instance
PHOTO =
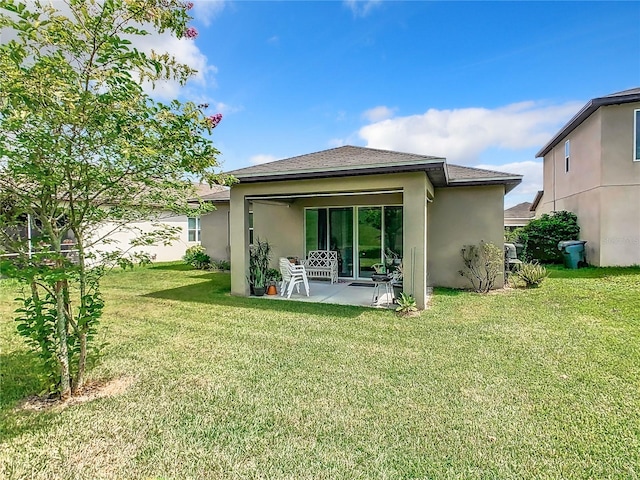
(572, 253)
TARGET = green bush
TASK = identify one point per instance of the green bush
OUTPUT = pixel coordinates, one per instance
(197, 258)
(541, 236)
(482, 265)
(223, 264)
(531, 274)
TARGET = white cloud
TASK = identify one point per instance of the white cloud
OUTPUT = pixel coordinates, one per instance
(275, 40)
(461, 135)
(530, 170)
(379, 113)
(361, 8)
(206, 10)
(262, 158)
(336, 142)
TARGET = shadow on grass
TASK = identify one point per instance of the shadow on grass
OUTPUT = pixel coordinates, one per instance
(177, 266)
(19, 378)
(558, 271)
(215, 290)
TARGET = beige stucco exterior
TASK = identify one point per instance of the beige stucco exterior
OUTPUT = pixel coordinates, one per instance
(457, 217)
(281, 221)
(215, 232)
(602, 186)
(121, 238)
(437, 222)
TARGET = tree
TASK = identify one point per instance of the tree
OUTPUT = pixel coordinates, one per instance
(82, 144)
(542, 235)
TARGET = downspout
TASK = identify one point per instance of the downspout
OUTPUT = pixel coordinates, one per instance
(554, 179)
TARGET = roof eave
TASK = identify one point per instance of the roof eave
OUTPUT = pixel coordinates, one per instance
(316, 174)
(583, 114)
(509, 182)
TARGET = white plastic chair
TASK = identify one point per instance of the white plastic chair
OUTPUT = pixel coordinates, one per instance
(292, 276)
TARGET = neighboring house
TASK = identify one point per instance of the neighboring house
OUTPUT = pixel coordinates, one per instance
(191, 230)
(518, 216)
(361, 202)
(592, 168)
(215, 226)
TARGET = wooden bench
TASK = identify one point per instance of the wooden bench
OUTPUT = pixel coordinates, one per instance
(322, 264)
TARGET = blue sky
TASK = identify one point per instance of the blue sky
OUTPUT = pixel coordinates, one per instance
(480, 83)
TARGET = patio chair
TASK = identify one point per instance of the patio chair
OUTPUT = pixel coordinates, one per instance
(292, 276)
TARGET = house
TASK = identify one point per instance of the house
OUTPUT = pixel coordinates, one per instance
(592, 168)
(518, 216)
(191, 231)
(215, 226)
(362, 202)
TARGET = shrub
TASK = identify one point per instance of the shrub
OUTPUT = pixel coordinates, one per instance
(223, 265)
(482, 265)
(406, 304)
(541, 236)
(197, 258)
(531, 274)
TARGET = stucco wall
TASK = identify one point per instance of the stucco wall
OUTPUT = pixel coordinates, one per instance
(215, 232)
(283, 226)
(586, 206)
(602, 187)
(585, 165)
(121, 238)
(617, 146)
(280, 224)
(461, 216)
(620, 226)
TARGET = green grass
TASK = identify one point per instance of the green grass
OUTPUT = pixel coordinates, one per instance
(538, 383)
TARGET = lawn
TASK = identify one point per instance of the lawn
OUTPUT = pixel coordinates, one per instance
(540, 383)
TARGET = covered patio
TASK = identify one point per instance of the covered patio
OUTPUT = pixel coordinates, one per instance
(364, 204)
(342, 293)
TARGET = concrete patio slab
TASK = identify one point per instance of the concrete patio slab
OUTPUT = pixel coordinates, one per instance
(341, 293)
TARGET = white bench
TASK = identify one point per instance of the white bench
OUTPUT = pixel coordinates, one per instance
(322, 264)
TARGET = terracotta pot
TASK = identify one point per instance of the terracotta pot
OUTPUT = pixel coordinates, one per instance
(271, 290)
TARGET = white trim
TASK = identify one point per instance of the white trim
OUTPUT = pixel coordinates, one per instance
(636, 140)
(197, 231)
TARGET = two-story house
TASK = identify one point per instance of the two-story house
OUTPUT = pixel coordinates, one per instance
(592, 168)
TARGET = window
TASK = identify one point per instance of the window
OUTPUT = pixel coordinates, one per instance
(250, 228)
(194, 229)
(567, 154)
(636, 135)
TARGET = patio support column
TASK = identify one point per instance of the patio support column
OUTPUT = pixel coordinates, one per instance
(414, 261)
(239, 240)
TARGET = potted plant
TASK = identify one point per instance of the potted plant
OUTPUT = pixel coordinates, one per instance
(273, 276)
(259, 287)
(259, 257)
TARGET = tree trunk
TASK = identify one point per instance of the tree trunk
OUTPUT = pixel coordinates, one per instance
(63, 350)
(82, 328)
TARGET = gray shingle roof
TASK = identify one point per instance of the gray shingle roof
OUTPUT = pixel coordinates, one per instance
(350, 160)
(335, 159)
(626, 96)
(522, 210)
(219, 196)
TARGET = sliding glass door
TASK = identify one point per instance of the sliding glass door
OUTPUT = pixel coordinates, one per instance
(369, 240)
(375, 232)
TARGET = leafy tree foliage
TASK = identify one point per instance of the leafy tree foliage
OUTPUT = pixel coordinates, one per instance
(541, 236)
(82, 145)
